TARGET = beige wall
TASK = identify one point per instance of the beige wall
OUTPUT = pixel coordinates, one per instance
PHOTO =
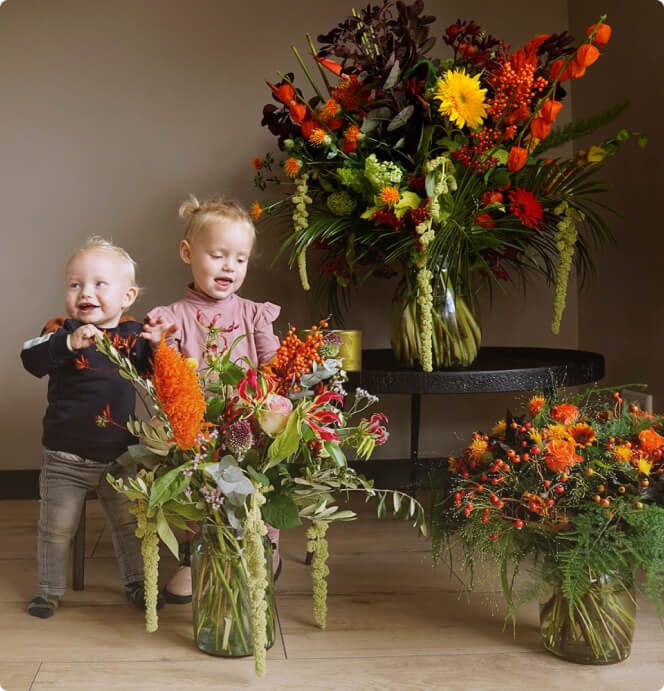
(621, 312)
(111, 112)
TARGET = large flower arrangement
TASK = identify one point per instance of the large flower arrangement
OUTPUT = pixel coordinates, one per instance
(577, 486)
(233, 446)
(435, 168)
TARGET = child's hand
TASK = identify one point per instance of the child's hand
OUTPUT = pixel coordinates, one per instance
(154, 329)
(83, 337)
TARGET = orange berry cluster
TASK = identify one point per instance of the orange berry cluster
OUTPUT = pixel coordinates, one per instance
(514, 90)
(296, 357)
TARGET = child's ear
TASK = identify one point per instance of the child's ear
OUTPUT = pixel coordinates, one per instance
(185, 251)
(130, 297)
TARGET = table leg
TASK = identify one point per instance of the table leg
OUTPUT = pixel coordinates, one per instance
(415, 409)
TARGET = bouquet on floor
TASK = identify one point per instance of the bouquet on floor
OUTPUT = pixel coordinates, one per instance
(435, 169)
(233, 447)
(577, 487)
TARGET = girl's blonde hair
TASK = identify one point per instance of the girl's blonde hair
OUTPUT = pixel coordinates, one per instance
(97, 243)
(197, 214)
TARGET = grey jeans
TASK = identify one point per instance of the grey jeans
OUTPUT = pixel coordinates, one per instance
(64, 481)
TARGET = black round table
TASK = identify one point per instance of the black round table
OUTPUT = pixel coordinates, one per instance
(495, 370)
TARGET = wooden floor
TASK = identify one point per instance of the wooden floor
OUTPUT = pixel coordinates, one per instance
(394, 623)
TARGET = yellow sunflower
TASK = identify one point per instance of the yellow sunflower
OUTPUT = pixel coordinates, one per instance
(461, 98)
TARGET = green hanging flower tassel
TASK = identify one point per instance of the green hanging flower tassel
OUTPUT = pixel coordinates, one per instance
(317, 545)
(566, 237)
(257, 576)
(300, 223)
(147, 531)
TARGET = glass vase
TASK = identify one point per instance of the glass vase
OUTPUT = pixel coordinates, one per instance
(221, 596)
(456, 335)
(597, 630)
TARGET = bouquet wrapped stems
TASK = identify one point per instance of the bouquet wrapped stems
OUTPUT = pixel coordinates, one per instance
(221, 595)
(596, 629)
(456, 334)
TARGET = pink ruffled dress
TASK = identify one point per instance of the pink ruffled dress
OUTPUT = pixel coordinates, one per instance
(245, 316)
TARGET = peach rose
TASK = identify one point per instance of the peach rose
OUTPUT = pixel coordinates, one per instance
(275, 413)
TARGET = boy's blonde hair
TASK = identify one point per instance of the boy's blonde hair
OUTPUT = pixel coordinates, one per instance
(197, 214)
(97, 243)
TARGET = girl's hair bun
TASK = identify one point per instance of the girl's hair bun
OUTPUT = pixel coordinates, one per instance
(189, 208)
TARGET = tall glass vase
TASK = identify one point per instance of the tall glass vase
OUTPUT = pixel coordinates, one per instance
(597, 630)
(456, 333)
(221, 596)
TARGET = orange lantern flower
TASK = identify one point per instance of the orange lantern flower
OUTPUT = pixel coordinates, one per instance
(586, 55)
(540, 128)
(602, 33)
(550, 110)
(576, 69)
(557, 71)
(517, 159)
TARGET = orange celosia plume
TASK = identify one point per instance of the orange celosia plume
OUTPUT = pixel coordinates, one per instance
(179, 393)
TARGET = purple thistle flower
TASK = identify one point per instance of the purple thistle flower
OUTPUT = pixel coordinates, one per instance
(238, 437)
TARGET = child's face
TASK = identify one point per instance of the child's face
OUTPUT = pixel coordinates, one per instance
(218, 255)
(99, 288)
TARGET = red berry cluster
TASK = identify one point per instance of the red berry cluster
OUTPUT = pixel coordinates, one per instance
(387, 217)
(336, 267)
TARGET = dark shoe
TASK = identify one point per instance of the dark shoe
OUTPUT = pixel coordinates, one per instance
(174, 599)
(43, 605)
(135, 593)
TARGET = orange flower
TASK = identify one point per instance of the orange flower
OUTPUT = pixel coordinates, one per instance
(565, 413)
(576, 69)
(649, 440)
(586, 55)
(583, 435)
(602, 33)
(560, 454)
(329, 110)
(498, 428)
(477, 449)
(536, 42)
(348, 92)
(179, 393)
(256, 211)
(317, 136)
(517, 159)
(550, 110)
(556, 432)
(351, 135)
(257, 163)
(292, 167)
(286, 94)
(557, 71)
(389, 195)
(540, 128)
(623, 453)
(535, 404)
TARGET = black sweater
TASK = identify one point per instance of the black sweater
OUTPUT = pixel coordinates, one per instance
(76, 396)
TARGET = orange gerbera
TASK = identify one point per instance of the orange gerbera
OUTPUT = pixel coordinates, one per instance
(559, 454)
(535, 404)
(565, 413)
(623, 453)
(583, 435)
(389, 195)
(256, 211)
(649, 440)
(292, 167)
(179, 393)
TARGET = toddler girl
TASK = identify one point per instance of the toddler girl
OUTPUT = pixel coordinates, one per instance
(217, 245)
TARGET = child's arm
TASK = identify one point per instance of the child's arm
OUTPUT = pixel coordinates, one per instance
(267, 342)
(52, 349)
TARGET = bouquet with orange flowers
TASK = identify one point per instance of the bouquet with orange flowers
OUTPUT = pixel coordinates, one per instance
(231, 447)
(435, 169)
(577, 485)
